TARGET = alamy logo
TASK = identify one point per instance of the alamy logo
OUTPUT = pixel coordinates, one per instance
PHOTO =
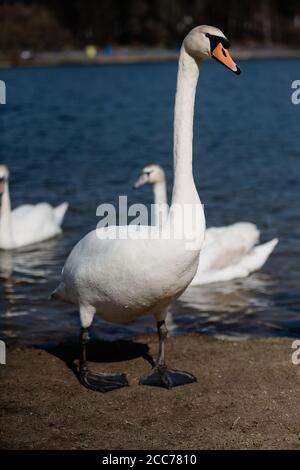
(296, 94)
(2, 352)
(296, 353)
(2, 92)
(136, 222)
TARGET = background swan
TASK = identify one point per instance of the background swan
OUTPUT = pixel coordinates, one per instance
(227, 252)
(27, 224)
(124, 272)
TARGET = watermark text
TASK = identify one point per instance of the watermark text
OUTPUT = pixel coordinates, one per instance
(296, 353)
(296, 94)
(2, 92)
(2, 353)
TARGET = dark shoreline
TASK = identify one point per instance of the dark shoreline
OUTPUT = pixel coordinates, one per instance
(151, 56)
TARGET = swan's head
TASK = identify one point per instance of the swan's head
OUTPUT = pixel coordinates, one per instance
(4, 175)
(208, 41)
(151, 174)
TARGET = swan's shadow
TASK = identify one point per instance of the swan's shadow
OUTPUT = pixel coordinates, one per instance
(101, 351)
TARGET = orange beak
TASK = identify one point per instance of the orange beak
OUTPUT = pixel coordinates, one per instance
(222, 55)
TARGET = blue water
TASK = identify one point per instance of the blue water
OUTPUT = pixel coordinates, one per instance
(83, 133)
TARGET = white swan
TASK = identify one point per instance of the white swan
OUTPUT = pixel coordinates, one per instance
(227, 252)
(27, 224)
(122, 273)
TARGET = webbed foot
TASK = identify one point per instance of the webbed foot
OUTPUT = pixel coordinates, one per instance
(102, 381)
(161, 376)
(98, 381)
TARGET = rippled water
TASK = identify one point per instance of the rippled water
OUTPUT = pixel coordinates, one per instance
(82, 134)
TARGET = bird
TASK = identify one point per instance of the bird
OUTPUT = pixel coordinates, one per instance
(124, 272)
(228, 253)
(26, 224)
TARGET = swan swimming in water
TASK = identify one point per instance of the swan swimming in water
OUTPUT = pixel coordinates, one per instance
(124, 272)
(228, 252)
(27, 224)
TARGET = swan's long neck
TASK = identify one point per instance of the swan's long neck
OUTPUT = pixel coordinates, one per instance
(6, 237)
(186, 217)
(161, 208)
(184, 190)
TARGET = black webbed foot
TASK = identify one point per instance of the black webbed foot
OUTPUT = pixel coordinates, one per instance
(161, 376)
(101, 381)
(98, 381)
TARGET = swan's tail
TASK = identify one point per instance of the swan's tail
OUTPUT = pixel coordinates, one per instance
(60, 293)
(59, 212)
(258, 256)
(253, 261)
(221, 275)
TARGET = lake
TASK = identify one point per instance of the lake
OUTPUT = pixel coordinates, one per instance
(83, 133)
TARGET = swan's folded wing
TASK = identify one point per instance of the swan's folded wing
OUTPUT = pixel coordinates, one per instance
(59, 213)
(126, 267)
(225, 246)
(258, 256)
(21, 211)
(229, 253)
(33, 224)
(236, 271)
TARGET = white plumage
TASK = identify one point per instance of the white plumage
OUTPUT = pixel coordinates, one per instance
(27, 224)
(227, 253)
(231, 252)
(122, 279)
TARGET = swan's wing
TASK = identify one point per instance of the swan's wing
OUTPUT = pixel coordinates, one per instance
(229, 273)
(258, 256)
(225, 246)
(230, 253)
(33, 224)
(59, 212)
(112, 266)
(253, 261)
(98, 247)
(21, 211)
(243, 234)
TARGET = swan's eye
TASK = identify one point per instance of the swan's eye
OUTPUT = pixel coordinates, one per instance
(215, 40)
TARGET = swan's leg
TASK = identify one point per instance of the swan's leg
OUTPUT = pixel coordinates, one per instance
(99, 381)
(161, 375)
(162, 336)
(102, 382)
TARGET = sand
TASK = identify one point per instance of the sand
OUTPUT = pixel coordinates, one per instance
(247, 397)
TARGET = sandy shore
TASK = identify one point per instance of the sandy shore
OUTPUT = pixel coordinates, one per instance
(247, 397)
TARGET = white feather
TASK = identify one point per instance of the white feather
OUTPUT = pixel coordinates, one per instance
(27, 224)
(227, 252)
(122, 279)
